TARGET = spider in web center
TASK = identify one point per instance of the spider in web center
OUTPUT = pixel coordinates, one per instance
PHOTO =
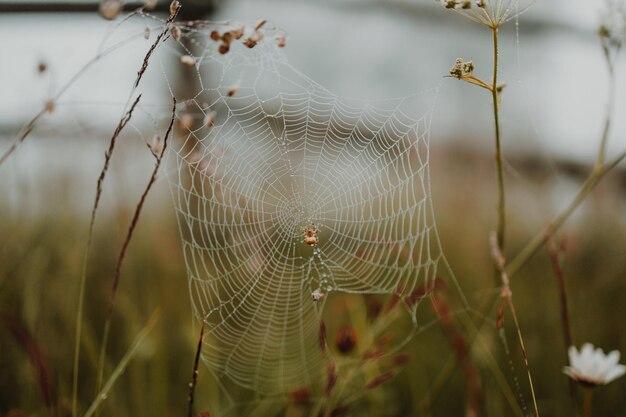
(310, 234)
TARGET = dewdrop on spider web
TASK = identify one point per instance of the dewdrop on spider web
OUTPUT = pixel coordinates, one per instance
(188, 60)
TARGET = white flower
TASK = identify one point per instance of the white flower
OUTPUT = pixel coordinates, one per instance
(592, 367)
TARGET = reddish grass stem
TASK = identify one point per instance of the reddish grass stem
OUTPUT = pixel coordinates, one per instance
(39, 363)
(122, 255)
(81, 292)
(565, 319)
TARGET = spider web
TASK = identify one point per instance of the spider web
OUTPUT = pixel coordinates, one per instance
(269, 152)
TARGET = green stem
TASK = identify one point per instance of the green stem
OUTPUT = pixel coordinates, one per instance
(498, 156)
(540, 239)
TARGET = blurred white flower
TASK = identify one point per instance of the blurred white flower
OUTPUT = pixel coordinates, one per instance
(591, 367)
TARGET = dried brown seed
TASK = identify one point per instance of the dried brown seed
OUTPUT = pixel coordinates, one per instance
(174, 5)
(224, 48)
(176, 32)
(345, 340)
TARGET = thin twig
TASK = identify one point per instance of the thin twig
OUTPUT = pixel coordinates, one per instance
(122, 255)
(508, 295)
(565, 321)
(194, 376)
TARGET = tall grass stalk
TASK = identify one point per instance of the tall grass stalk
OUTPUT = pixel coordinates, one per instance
(122, 255)
(103, 393)
(81, 291)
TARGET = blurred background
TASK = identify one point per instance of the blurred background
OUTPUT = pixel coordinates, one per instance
(552, 114)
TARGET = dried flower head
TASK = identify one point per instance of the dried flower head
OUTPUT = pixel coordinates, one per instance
(491, 13)
(109, 9)
(591, 367)
(613, 23)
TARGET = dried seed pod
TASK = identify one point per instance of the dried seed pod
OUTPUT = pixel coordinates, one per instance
(260, 24)
(215, 35)
(232, 90)
(188, 60)
(322, 336)
(345, 340)
(300, 396)
(281, 41)
(331, 378)
(380, 379)
(401, 359)
(237, 33)
(250, 42)
(174, 5)
(50, 106)
(185, 121)
(224, 48)
(227, 37)
(109, 9)
(176, 32)
(209, 119)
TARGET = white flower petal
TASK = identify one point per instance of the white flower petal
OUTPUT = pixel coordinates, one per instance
(613, 358)
(614, 373)
(573, 355)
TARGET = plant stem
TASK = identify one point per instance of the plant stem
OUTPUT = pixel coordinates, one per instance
(587, 397)
(553, 250)
(540, 239)
(498, 155)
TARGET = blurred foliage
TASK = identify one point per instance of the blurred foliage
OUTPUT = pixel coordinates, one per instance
(41, 256)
